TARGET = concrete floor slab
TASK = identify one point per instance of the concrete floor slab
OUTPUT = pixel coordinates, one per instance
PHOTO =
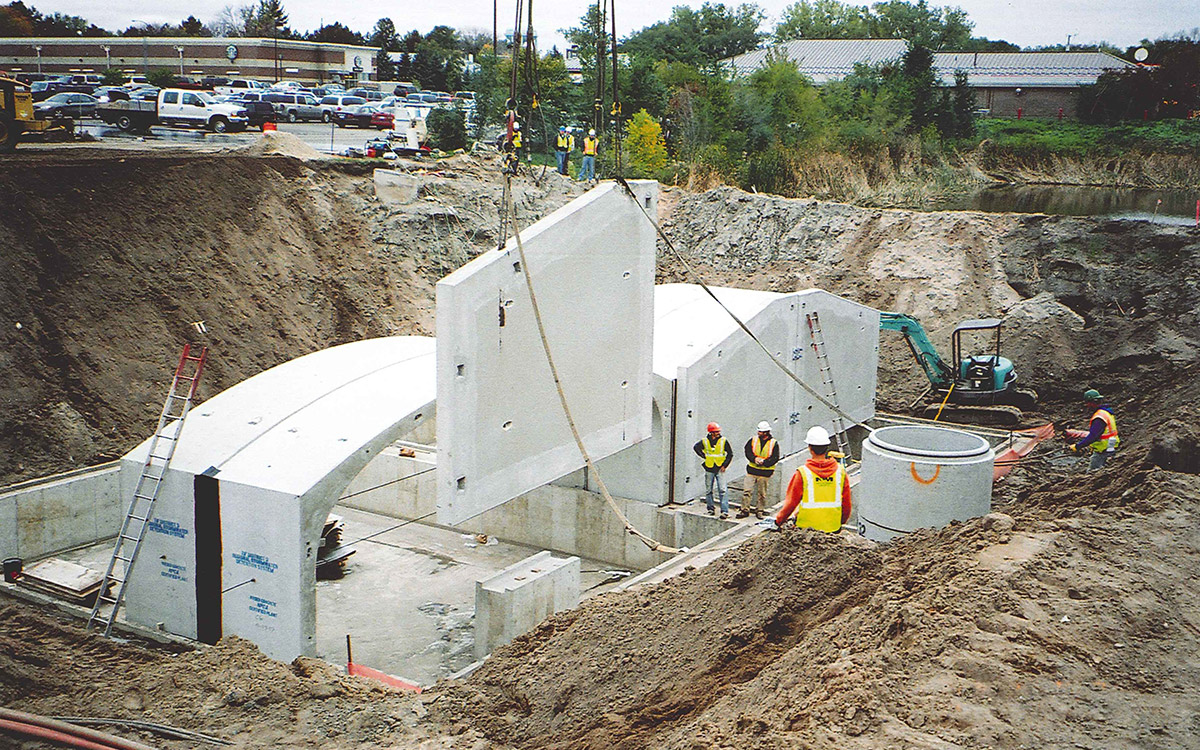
(408, 597)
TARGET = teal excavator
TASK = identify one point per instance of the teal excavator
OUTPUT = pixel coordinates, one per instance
(977, 388)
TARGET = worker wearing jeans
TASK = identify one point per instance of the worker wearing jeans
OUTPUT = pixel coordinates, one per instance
(1101, 435)
(714, 449)
(587, 169)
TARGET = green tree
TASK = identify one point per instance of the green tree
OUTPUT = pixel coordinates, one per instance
(447, 131)
(112, 77)
(191, 26)
(823, 19)
(781, 107)
(385, 69)
(266, 20)
(701, 38)
(336, 33)
(918, 23)
(384, 35)
(645, 149)
(161, 77)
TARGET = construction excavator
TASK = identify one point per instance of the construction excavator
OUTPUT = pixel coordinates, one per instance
(978, 388)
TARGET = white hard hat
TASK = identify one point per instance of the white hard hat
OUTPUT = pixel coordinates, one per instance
(516, 126)
(817, 436)
(764, 427)
(592, 131)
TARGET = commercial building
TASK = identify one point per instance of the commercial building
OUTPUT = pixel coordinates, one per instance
(242, 57)
(1037, 84)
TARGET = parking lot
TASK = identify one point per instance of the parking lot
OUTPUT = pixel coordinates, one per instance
(324, 137)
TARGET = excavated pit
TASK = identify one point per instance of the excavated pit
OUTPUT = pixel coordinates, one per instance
(1066, 619)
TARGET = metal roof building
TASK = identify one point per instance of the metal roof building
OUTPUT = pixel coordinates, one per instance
(1026, 69)
(824, 60)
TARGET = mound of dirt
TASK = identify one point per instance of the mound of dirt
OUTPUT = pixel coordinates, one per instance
(1069, 619)
(278, 143)
(51, 667)
(1086, 302)
(110, 258)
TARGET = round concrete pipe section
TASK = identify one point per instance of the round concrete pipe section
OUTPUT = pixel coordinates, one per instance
(917, 476)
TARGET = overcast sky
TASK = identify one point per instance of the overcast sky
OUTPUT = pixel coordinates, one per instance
(1023, 22)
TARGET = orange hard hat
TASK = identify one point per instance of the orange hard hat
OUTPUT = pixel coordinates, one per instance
(714, 427)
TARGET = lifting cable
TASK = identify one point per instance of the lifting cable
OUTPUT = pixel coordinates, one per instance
(695, 276)
(650, 542)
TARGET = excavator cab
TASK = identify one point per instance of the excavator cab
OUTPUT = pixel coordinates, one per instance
(982, 378)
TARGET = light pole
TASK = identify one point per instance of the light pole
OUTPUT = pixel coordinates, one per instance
(38, 48)
(180, 51)
(107, 57)
(145, 49)
(275, 27)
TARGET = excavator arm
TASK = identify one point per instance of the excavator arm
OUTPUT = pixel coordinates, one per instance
(940, 374)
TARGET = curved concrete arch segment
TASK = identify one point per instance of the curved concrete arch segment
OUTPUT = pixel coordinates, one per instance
(232, 546)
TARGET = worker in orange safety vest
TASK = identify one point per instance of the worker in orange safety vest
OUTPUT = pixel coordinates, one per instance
(819, 492)
(1101, 435)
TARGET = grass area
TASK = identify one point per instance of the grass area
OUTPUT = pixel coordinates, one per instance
(1067, 138)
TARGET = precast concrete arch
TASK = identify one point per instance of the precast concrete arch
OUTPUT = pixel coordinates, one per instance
(232, 547)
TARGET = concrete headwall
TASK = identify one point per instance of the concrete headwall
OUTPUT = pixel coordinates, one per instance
(44, 516)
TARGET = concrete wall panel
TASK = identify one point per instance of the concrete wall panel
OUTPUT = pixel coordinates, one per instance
(515, 600)
(41, 517)
(501, 430)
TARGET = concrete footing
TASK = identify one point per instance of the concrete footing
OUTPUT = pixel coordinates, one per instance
(513, 601)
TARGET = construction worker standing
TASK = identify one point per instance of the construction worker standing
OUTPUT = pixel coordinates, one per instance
(714, 449)
(587, 170)
(563, 148)
(1101, 434)
(819, 492)
(762, 453)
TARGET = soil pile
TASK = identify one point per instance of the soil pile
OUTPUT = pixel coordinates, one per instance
(1068, 620)
(277, 143)
(1087, 303)
(110, 258)
(231, 690)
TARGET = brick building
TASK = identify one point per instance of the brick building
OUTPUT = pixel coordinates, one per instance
(242, 57)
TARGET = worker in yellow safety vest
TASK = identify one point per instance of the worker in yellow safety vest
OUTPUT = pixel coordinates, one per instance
(563, 147)
(819, 492)
(762, 453)
(587, 170)
(1101, 434)
(714, 449)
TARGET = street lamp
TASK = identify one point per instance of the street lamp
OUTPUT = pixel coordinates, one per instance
(145, 50)
(38, 47)
(107, 57)
(276, 27)
(180, 51)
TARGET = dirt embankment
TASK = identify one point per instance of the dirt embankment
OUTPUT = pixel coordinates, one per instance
(109, 257)
(1070, 622)
(1108, 304)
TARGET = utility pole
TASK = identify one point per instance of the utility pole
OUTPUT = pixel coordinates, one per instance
(107, 57)
(38, 49)
(145, 49)
(180, 51)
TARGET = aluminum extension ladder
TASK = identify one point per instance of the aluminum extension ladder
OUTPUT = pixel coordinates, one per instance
(818, 345)
(141, 506)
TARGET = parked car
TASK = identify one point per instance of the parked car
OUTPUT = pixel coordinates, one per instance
(293, 107)
(257, 111)
(329, 89)
(211, 82)
(286, 86)
(355, 117)
(428, 98)
(369, 94)
(465, 96)
(110, 93)
(335, 103)
(42, 90)
(239, 85)
(381, 119)
(404, 88)
(76, 106)
(85, 79)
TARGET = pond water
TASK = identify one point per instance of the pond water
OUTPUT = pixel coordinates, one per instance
(1161, 206)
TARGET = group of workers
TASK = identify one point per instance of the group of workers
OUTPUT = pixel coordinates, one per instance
(564, 144)
(819, 492)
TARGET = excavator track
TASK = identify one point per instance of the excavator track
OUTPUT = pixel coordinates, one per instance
(998, 415)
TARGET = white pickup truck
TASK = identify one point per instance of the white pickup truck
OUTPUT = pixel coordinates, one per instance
(240, 86)
(175, 107)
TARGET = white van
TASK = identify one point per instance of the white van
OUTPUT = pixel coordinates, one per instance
(240, 86)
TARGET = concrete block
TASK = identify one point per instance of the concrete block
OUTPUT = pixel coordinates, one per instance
(513, 601)
(395, 187)
(501, 429)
